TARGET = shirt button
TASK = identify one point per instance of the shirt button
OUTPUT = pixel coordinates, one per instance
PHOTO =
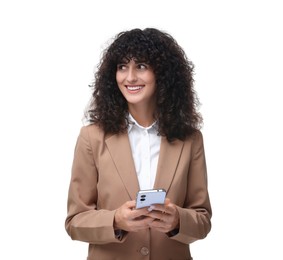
(144, 250)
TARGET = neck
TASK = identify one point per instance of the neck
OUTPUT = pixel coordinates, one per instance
(145, 117)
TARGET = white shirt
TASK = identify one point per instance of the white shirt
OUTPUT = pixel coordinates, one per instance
(145, 145)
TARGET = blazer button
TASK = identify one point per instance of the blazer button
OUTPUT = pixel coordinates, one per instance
(144, 250)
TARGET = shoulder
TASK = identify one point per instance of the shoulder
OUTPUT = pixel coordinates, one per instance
(194, 142)
(92, 139)
(90, 130)
(93, 133)
(195, 137)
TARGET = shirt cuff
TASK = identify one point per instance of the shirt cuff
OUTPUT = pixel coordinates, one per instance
(173, 232)
(119, 234)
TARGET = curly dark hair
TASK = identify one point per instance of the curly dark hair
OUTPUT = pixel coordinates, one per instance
(177, 102)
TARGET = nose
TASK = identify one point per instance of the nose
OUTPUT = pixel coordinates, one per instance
(132, 75)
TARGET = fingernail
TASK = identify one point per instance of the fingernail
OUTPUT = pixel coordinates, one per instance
(150, 208)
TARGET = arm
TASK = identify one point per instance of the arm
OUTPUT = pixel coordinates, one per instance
(194, 217)
(189, 220)
(84, 222)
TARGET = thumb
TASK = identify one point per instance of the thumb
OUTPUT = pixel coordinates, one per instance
(131, 204)
(167, 201)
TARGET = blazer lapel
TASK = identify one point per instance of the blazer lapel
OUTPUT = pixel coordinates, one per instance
(168, 160)
(120, 150)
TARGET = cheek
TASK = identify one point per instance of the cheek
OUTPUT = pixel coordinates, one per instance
(151, 78)
(152, 82)
(117, 78)
(119, 81)
(120, 77)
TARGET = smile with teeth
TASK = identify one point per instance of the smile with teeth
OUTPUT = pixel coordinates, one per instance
(134, 88)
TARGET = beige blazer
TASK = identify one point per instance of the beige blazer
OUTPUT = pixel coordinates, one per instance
(104, 177)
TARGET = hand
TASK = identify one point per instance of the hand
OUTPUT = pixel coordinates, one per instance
(130, 219)
(165, 217)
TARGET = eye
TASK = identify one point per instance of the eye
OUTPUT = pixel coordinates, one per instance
(121, 67)
(142, 66)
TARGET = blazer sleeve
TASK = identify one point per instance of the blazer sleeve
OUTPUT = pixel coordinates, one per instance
(196, 213)
(84, 222)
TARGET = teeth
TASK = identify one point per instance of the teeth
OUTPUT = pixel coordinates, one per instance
(134, 87)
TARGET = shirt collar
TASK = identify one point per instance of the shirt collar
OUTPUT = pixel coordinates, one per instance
(133, 122)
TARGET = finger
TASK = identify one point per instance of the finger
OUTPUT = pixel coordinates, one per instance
(153, 214)
(157, 207)
(141, 223)
(130, 204)
(159, 225)
(159, 215)
(167, 201)
(160, 208)
(135, 213)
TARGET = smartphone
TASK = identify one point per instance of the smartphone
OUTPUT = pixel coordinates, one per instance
(145, 198)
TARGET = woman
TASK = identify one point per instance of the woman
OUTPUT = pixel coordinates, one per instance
(144, 133)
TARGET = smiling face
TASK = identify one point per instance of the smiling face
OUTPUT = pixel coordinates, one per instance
(136, 81)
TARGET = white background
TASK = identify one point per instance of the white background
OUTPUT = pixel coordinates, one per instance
(49, 50)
